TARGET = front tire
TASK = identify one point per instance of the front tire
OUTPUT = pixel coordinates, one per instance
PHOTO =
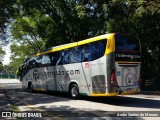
(74, 91)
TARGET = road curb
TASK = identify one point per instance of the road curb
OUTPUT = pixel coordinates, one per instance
(150, 92)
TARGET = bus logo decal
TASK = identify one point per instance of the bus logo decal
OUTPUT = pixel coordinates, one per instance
(35, 74)
(86, 65)
(118, 73)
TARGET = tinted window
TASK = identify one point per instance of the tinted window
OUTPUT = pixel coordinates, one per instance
(127, 48)
(38, 61)
(31, 63)
(54, 58)
(100, 48)
(59, 56)
(23, 70)
(66, 56)
(46, 60)
(76, 54)
(127, 44)
(94, 50)
(87, 52)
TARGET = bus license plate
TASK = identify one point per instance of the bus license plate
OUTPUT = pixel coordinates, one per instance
(129, 89)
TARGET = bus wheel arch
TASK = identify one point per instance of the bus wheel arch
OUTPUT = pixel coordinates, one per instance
(30, 86)
(74, 90)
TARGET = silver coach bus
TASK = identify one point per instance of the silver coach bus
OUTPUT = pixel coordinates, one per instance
(106, 65)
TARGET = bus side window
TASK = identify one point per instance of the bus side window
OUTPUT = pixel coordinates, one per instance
(46, 60)
(94, 50)
(53, 59)
(22, 72)
(59, 56)
(30, 64)
(66, 56)
(38, 61)
(24, 69)
(100, 48)
(89, 52)
(76, 54)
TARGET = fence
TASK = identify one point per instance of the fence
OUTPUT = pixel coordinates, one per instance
(151, 84)
(11, 76)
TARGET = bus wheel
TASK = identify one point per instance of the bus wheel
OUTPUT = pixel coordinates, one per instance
(74, 91)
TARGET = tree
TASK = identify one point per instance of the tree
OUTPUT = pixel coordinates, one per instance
(148, 28)
(59, 22)
(24, 32)
(19, 53)
(7, 12)
(2, 53)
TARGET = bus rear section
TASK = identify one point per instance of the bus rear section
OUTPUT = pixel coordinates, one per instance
(127, 64)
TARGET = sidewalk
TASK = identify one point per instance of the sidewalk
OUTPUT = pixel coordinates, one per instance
(150, 92)
(5, 80)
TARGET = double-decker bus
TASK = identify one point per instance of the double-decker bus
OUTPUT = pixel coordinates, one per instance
(106, 65)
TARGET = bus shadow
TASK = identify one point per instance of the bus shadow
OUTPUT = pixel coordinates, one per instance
(25, 98)
(125, 101)
(114, 100)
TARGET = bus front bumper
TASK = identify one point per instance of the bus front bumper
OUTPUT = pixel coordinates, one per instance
(129, 92)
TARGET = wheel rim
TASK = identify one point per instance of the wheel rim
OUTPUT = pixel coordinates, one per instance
(74, 91)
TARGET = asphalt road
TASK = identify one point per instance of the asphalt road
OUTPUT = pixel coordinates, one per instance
(60, 106)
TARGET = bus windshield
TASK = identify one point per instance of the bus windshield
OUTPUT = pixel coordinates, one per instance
(127, 48)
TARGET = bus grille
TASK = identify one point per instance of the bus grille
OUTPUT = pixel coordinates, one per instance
(98, 84)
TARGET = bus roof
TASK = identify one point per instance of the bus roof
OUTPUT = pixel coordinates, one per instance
(70, 45)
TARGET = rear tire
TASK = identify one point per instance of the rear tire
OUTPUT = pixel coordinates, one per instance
(74, 91)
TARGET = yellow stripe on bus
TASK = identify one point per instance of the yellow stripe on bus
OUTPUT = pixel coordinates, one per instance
(93, 39)
(39, 89)
(130, 92)
(106, 94)
(126, 62)
(110, 47)
(110, 44)
(61, 47)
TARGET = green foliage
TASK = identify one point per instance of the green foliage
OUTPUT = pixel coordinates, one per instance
(19, 52)
(7, 12)
(24, 32)
(2, 53)
(148, 28)
(64, 21)
(1, 67)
